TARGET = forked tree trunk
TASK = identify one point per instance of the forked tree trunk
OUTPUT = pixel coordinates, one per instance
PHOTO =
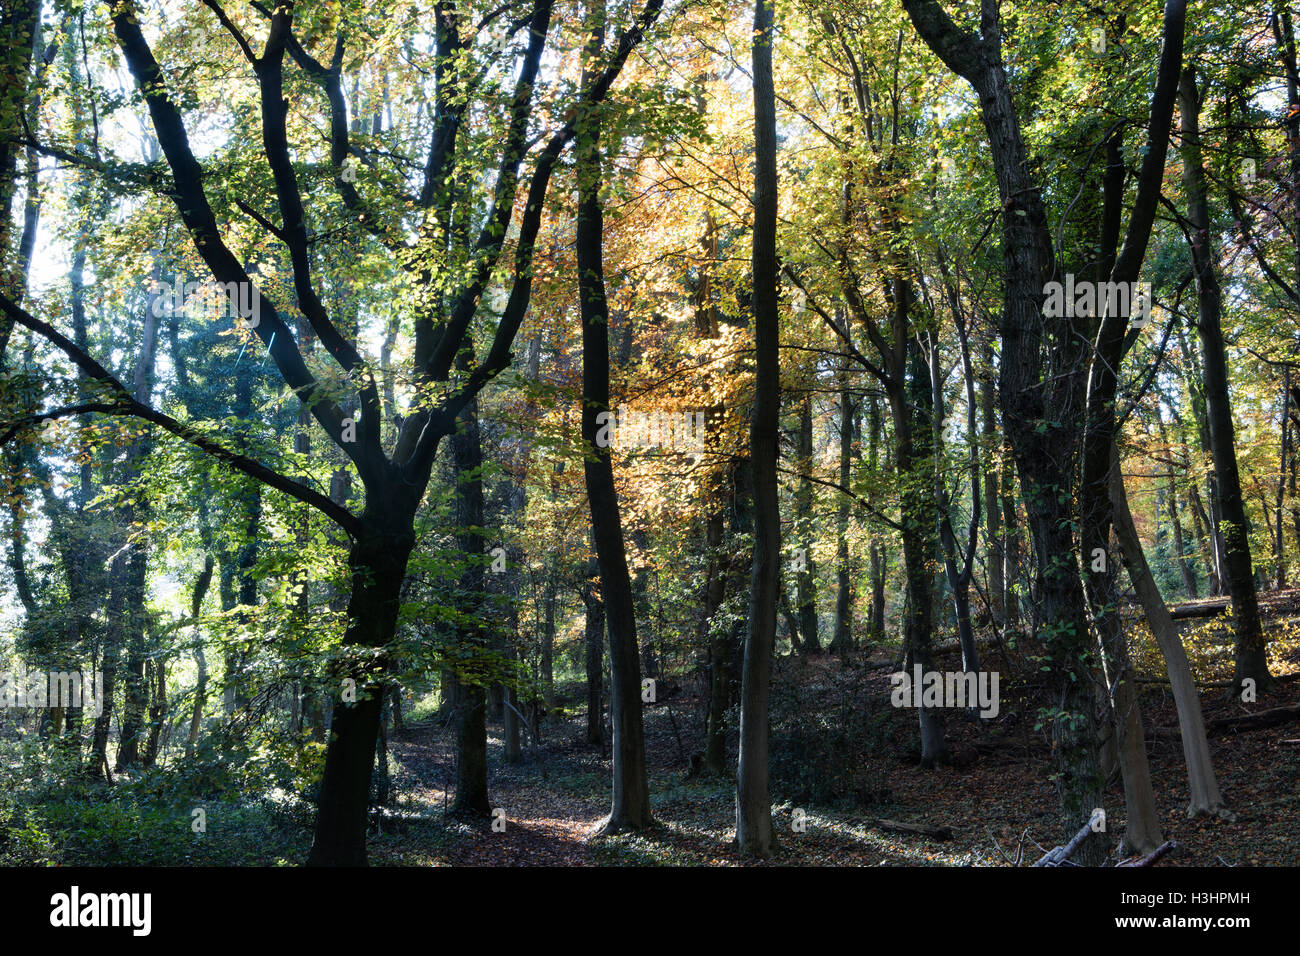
(1027, 391)
(1204, 788)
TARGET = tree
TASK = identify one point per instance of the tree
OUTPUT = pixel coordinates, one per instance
(631, 801)
(753, 803)
(1250, 658)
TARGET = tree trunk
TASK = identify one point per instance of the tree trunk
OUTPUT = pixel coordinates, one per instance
(595, 666)
(842, 640)
(806, 568)
(378, 564)
(548, 639)
(1279, 540)
(994, 549)
(631, 800)
(471, 800)
(1031, 394)
(1204, 787)
(1184, 565)
(1213, 526)
(1250, 658)
(876, 620)
(910, 404)
(753, 801)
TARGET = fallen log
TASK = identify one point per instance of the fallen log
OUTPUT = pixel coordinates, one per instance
(1203, 685)
(915, 829)
(1182, 612)
(1232, 725)
(1263, 718)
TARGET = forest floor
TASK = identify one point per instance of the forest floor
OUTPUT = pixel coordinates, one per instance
(853, 764)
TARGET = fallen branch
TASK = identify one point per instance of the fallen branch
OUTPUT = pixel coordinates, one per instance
(1060, 855)
(1214, 684)
(1153, 856)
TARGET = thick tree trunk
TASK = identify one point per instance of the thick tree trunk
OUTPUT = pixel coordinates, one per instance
(1010, 543)
(19, 21)
(918, 513)
(136, 689)
(378, 565)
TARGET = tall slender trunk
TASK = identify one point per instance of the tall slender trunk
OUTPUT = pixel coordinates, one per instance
(1184, 565)
(548, 638)
(876, 618)
(1213, 534)
(630, 808)
(842, 640)
(594, 646)
(1250, 656)
(994, 548)
(753, 802)
(806, 573)
(471, 706)
(1279, 539)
